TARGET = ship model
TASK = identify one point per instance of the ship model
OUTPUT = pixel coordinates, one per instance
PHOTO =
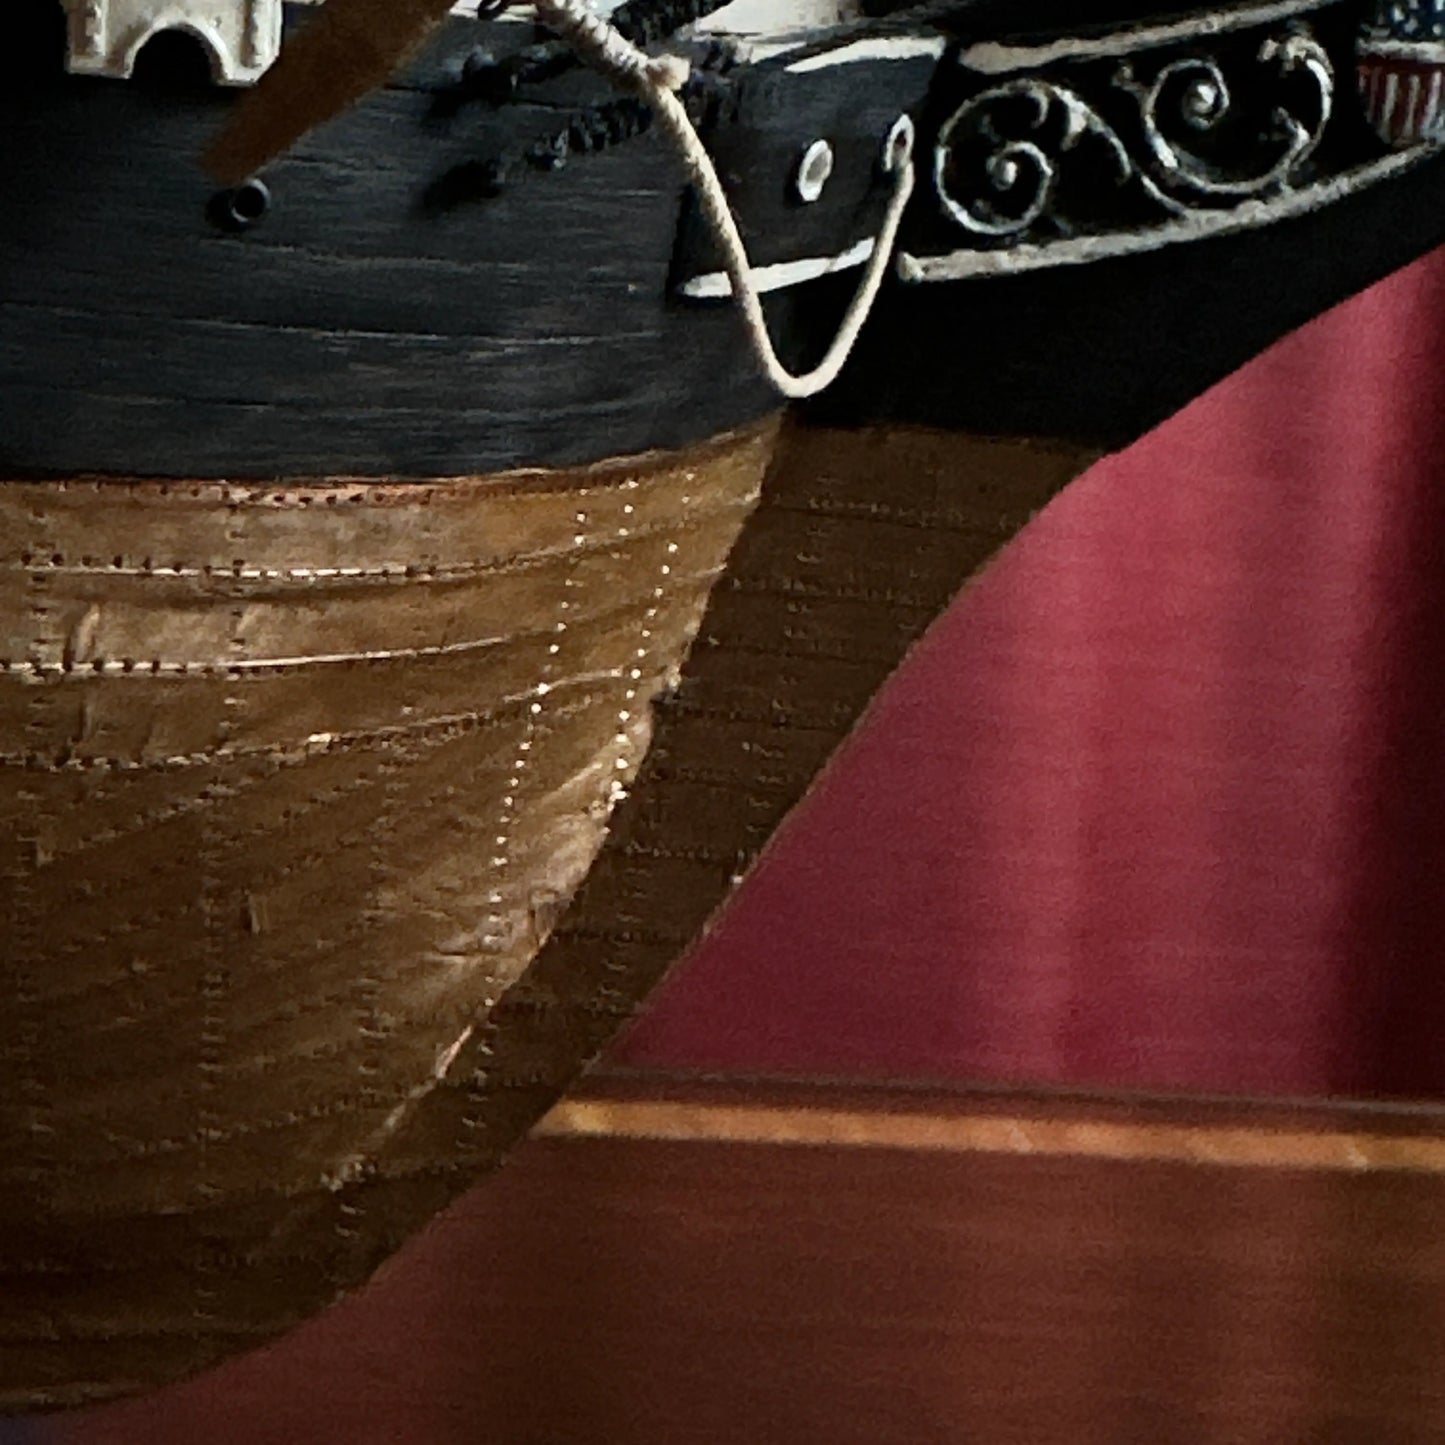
(463, 476)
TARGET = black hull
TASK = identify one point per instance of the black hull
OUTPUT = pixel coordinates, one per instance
(363, 327)
(380, 322)
(353, 331)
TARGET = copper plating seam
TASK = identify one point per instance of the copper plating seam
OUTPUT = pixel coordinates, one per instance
(440, 730)
(89, 943)
(109, 667)
(659, 466)
(451, 724)
(388, 573)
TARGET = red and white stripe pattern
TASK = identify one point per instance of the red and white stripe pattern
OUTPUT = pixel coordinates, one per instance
(1402, 86)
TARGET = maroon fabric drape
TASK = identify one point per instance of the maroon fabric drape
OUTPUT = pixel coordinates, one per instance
(1159, 801)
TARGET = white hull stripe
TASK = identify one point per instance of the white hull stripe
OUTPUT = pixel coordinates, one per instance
(716, 285)
(889, 47)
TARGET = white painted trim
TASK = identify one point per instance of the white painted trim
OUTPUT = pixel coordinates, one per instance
(1197, 226)
(716, 286)
(743, 18)
(768, 17)
(990, 57)
(1423, 52)
(879, 47)
(1392, 94)
(753, 48)
(514, 14)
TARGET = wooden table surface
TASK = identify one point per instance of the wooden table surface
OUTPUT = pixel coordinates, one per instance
(674, 1262)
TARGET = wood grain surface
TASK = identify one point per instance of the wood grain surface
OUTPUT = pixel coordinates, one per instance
(631, 1289)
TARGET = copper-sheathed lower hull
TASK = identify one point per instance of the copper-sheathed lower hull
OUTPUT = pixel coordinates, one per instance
(306, 933)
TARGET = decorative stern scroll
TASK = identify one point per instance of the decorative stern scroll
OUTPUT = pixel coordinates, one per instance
(1076, 150)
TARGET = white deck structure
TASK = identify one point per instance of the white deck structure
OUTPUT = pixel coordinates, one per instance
(241, 38)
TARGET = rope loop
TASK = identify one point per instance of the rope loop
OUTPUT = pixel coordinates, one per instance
(657, 80)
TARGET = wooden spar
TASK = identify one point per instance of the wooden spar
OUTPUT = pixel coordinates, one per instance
(350, 49)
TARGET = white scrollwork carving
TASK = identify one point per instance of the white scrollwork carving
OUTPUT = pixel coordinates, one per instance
(1194, 93)
(1019, 171)
(1185, 133)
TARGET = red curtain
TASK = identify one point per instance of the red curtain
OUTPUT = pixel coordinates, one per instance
(1159, 802)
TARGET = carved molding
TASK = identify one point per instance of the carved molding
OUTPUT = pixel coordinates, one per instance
(1146, 138)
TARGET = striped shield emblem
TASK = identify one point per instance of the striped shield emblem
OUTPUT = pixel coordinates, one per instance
(1402, 95)
(1402, 71)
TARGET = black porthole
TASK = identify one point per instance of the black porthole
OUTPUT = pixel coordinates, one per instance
(241, 207)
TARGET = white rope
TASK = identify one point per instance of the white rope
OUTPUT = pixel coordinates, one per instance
(656, 81)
